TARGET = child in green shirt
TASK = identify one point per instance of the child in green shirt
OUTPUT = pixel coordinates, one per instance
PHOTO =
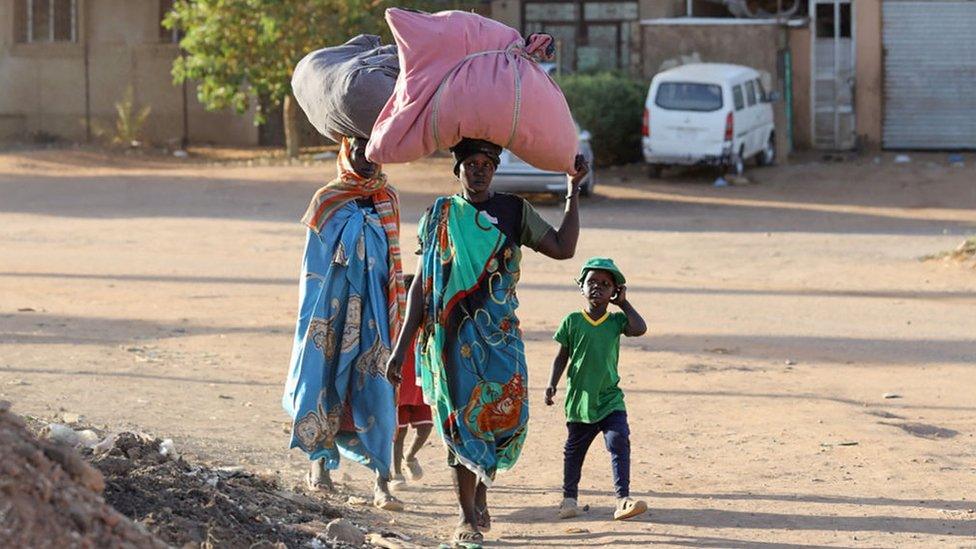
(589, 344)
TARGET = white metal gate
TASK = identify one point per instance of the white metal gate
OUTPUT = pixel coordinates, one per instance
(832, 85)
(930, 74)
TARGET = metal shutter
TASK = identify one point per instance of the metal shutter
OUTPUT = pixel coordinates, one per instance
(930, 74)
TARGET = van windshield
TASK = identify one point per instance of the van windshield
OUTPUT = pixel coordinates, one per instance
(688, 96)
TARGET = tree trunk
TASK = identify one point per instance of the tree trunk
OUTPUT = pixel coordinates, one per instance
(292, 136)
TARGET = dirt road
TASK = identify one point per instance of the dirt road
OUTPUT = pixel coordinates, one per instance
(161, 296)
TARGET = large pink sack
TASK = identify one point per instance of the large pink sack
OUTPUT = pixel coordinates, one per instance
(463, 75)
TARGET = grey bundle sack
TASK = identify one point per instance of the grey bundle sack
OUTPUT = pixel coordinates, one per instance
(342, 89)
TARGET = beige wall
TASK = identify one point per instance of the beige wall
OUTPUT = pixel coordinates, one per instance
(869, 80)
(755, 46)
(42, 85)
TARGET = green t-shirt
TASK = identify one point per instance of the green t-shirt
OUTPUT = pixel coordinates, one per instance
(591, 375)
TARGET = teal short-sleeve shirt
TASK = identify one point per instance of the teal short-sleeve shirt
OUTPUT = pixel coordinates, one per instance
(593, 390)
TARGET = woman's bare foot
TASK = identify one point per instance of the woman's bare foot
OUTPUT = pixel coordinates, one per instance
(484, 520)
(317, 477)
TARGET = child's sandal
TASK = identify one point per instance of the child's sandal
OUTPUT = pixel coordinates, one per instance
(414, 470)
(629, 508)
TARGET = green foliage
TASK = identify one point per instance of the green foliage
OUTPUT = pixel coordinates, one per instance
(240, 49)
(609, 105)
(129, 121)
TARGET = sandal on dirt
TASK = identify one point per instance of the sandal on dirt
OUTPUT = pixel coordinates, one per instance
(414, 470)
(321, 484)
(387, 502)
(467, 537)
(629, 508)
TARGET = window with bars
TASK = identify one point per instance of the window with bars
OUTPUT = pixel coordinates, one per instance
(590, 34)
(46, 20)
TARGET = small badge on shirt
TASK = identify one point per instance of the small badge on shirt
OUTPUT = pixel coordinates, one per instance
(489, 217)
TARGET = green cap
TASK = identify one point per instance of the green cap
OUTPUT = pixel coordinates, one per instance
(603, 264)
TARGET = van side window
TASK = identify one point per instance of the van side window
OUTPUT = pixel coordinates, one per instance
(737, 97)
(751, 92)
(761, 91)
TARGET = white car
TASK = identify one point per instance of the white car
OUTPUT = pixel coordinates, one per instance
(514, 175)
(708, 113)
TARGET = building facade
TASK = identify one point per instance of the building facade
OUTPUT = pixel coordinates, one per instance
(590, 35)
(64, 64)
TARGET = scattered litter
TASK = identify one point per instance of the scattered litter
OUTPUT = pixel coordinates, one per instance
(720, 182)
(168, 449)
(17, 382)
(741, 180)
(903, 159)
(842, 443)
(70, 418)
(577, 530)
(356, 500)
(327, 155)
(225, 397)
(343, 531)
(181, 154)
(790, 363)
(877, 159)
(25, 310)
(956, 161)
(88, 438)
(58, 432)
(891, 395)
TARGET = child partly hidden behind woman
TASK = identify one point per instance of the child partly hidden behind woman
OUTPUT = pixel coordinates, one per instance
(412, 411)
(589, 344)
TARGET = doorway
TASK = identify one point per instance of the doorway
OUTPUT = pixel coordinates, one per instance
(832, 84)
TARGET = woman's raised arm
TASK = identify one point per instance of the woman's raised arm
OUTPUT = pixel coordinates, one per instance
(561, 243)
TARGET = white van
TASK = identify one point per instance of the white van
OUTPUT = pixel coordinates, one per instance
(708, 113)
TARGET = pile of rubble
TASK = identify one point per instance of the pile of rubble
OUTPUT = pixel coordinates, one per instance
(50, 497)
(64, 486)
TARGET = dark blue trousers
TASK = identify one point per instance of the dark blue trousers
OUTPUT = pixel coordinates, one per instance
(616, 433)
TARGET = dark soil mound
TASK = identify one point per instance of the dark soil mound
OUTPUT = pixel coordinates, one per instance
(49, 497)
(182, 503)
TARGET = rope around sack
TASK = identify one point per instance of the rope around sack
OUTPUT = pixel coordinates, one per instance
(515, 49)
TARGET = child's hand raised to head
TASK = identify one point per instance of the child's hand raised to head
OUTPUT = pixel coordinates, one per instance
(550, 393)
(621, 296)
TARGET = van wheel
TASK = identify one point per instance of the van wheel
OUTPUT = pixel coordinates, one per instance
(767, 156)
(654, 170)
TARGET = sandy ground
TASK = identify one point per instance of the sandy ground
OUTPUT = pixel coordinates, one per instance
(150, 294)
